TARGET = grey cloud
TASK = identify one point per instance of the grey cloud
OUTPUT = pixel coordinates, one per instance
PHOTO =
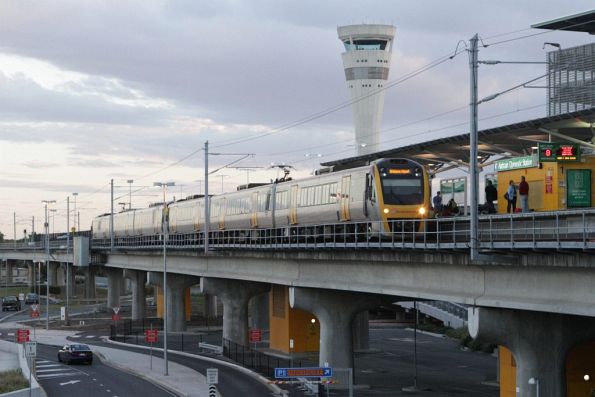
(22, 99)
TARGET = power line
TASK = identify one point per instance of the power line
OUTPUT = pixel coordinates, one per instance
(345, 104)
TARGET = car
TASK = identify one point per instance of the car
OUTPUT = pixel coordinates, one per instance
(31, 298)
(10, 303)
(75, 353)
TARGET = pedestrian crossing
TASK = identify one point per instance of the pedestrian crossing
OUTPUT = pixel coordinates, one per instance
(45, 369)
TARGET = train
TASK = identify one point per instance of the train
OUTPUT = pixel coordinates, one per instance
(372, 196)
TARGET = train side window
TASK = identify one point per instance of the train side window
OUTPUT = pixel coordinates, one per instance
(268, 202)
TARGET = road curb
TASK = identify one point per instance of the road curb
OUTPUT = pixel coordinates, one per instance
(105, 360)
(274, 388)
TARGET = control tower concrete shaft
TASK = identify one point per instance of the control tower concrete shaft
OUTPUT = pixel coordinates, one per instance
(366, 60)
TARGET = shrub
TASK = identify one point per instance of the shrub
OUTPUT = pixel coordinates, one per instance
(12, 380)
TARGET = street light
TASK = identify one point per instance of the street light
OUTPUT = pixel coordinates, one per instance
(535, 381)
(47, 261)
(130, 181)
(164, 222)
(53, 219)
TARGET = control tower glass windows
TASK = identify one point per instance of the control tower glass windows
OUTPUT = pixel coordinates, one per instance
(366, 44)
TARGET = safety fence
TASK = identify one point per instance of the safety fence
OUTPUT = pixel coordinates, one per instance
(259, 361)
(535, 230)
(133, 332)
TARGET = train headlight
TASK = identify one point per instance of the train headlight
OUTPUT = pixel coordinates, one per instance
(421, 210)
(386, 211)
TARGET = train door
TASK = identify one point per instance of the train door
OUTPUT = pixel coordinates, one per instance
(255, 207)
(293, 197)
(344, 200)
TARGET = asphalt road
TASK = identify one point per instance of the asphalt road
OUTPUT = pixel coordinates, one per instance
(60, 380)
(232, 383)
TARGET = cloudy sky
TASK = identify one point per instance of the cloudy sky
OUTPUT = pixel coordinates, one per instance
(98, 90)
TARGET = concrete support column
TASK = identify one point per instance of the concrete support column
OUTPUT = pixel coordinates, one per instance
(61, 275)
(210, 306)
(53, 273)
(361, 331)
(89, 282)
(539, 342)
(258, 312)
(31, 276)
(137, 279)
(235, 295)
(114, 282)
(335, 311)
(176, 289)
(10, 265)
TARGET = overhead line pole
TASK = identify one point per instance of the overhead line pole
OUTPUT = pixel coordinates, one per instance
(111, 218)
(474, 243)
(207, 212)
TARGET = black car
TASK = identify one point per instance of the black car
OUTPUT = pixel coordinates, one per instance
(31, 298)
(10, 303)
(75, 353)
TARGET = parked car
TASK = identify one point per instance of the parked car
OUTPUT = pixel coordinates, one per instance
(75, 353)
(10, 303)
(31, 298)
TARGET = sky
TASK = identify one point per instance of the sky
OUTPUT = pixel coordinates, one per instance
(100, 90)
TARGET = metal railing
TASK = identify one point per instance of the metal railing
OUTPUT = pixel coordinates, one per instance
(574, 230)
(258, 361)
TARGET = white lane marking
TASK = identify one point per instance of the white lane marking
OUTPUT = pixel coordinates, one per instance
(47, 366)
(75, 336)
(70, 382)
(43, 361)
(40, 371)
(90, 336)
(57, 375)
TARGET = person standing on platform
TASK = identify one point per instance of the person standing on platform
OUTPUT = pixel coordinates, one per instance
(510, 196)
(491, 196)
(524, 194)
(437, 201)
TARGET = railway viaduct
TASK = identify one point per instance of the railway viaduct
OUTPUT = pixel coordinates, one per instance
(532, 294)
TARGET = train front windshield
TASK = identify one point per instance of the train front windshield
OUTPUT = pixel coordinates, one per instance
(402, 186)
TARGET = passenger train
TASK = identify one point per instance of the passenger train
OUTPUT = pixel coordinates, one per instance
(385, 190)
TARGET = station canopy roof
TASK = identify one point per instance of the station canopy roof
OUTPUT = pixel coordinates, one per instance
(507, 141)
(583, 22)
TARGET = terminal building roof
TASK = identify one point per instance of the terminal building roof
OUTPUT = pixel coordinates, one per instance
(511, 140)
(583, 22)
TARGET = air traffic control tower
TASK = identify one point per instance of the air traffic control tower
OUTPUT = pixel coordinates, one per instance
(366, 60)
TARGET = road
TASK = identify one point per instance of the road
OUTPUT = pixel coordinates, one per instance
(59, 379)
(231, 381)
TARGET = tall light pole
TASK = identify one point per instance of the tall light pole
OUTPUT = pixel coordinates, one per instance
(130, 181)
(165, 230)
(47, 262)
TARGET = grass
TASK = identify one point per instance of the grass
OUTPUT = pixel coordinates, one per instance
(12, 381)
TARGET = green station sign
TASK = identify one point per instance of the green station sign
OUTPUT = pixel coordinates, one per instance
(516, 163)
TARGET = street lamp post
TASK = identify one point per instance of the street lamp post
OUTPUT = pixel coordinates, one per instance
(47, 262)
(165, 219)
(535, 381)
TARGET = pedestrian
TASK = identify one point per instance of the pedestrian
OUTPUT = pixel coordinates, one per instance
(524, 194)
(510, 197)
(437, 201)
(452, 208)
(491, 196)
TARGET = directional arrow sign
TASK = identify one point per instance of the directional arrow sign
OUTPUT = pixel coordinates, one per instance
(116, 309)
(71, 382)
